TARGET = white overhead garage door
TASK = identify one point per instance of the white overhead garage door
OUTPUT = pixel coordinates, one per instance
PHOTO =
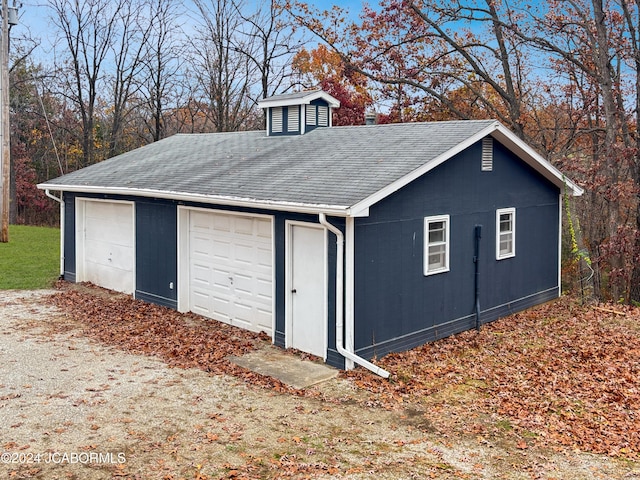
(105, 244)
(231, 269)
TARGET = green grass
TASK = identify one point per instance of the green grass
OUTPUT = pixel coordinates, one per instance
(31, 259)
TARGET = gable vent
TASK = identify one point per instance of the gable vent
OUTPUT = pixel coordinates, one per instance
(487, 154)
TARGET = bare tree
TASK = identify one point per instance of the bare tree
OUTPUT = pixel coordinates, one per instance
(270, 43)
(224, 75)
(86, 31)
(130, 43)
(416, 49)
(161, 68)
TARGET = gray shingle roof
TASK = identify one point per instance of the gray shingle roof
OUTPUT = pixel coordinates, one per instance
(338, 166)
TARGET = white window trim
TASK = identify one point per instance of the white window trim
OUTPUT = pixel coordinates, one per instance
(427, 221)
(512, 253)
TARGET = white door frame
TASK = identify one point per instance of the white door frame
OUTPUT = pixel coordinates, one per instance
(289, 224)
(183, 256)
(80, 205)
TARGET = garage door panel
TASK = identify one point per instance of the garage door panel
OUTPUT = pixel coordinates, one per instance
(201, 278)
(244, 226)
(264, 261)
(110, 255)
(245, 254)
(264, 229)
(264, 289)
(201, 245)
(220, 223)
(240, 260)
(200, 221)
(106, 244)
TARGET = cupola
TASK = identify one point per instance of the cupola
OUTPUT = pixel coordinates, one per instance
(298, 113)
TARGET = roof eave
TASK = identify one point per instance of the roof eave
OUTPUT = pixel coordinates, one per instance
(535, 160)
(298, 207)
(504, 136)
(305, 100)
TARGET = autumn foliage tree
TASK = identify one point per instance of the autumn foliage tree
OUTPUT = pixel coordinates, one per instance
(325, 69)
(563, 75)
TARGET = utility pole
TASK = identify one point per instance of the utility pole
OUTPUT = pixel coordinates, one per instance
(9, 18)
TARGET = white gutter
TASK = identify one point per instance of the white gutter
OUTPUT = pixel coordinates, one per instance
(339, 303)
(284, 206)
(61, 202)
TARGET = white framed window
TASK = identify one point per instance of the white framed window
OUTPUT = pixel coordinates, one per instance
(436, 244)
(505, 233)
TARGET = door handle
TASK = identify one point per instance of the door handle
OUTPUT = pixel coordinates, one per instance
(293, 290)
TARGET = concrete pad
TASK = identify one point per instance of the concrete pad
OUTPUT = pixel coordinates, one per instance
(293, 371)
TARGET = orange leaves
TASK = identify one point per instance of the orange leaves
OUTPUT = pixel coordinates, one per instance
(560, 372)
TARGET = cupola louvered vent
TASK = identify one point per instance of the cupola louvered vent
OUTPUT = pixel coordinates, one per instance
(311, 115)
(298, 113)
(276, 119)
(487, 154)
(293, 118)
(323, 116)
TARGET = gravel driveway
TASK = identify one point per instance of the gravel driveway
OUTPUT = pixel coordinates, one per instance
(74, 409)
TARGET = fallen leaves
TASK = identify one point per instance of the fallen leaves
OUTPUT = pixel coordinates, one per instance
(182, 340)
(559, 374)
(562, 372)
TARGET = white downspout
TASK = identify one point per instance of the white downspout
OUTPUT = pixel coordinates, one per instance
(61, 202)
(340, 305)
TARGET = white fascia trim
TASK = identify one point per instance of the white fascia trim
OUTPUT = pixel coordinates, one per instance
(534, 159)
(279, 102)
(500, 133)
(401, 182)
(335, 210)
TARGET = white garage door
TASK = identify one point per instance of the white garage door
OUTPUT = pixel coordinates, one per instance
(106, 245)
(231, 269)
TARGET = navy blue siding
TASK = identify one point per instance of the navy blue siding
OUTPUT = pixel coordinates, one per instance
(156, 256)
(397, 307)
(157, 252)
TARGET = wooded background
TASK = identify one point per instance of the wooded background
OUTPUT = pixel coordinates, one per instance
(113, 75)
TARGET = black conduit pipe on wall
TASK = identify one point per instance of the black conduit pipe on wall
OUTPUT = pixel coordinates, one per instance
(476, 261)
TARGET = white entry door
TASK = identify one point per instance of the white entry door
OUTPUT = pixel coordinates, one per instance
(231, 269)
(105, 244)
(308, 291)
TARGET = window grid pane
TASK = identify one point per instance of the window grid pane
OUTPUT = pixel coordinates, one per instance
(437, 245)
(505, 238)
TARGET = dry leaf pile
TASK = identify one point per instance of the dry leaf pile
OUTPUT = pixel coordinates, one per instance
(561, 373)
(181, 340)
(565, 373)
